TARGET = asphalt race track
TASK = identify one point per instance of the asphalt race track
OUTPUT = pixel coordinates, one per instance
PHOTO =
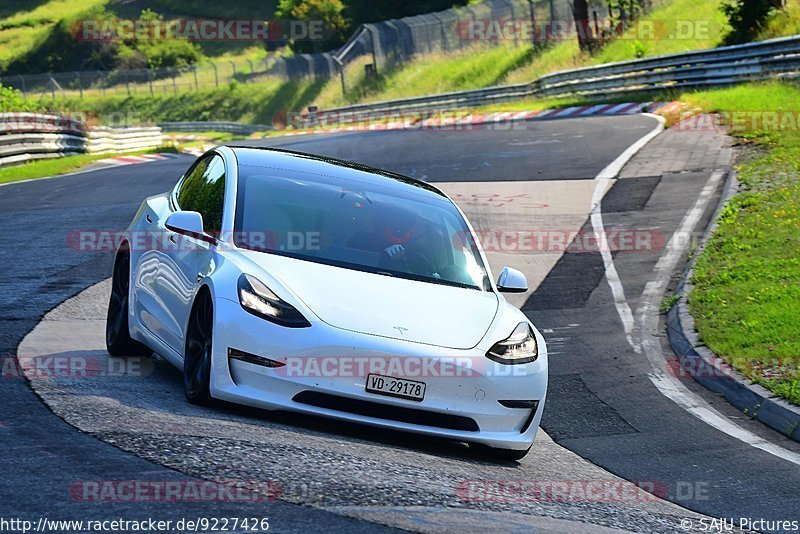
(606, 417)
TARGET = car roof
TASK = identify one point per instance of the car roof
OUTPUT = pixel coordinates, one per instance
(333, 167)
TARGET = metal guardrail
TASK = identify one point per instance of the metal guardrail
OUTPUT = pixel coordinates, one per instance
(775, 58)
(214, 126)
(30, 136)
(102, 140)
(772, 59)
(455, 99)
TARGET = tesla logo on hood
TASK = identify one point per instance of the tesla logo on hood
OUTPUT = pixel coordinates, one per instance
(401, 329)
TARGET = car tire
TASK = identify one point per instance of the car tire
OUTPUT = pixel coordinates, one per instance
(197, 355)
(510, 455)
(119, 342)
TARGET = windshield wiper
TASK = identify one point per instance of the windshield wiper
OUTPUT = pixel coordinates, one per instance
(444, 282)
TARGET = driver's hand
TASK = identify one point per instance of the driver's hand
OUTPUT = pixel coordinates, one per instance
(395, 251)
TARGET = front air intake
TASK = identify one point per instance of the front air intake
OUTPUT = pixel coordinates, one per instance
(386, 411)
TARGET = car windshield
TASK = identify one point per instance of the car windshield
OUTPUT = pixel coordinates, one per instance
(396, 230)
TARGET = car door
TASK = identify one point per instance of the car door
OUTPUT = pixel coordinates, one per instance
(145, 249)
(186, 260)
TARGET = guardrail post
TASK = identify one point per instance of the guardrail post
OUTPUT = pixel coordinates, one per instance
(150, 80)
(372, 46)
(252, 69)
(474, 20)
(514, 21)
(341, 74)
(532, 10)
(216, 74)
(442, 35)
(80, 84)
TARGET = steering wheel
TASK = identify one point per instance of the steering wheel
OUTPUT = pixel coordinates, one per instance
(419, 263)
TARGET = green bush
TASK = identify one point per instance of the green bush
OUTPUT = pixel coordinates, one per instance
(330, 12)
(748, 17)
(157, 53)
(11, 100)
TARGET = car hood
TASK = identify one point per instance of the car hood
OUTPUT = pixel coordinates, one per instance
(381, 305)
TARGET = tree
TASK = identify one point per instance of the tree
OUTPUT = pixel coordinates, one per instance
(157, 51)
(583, 26)
(329, 12)
(747, 17)
(361, 11)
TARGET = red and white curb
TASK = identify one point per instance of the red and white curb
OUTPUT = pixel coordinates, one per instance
(132, 160)
(417, 122)
(198, 150)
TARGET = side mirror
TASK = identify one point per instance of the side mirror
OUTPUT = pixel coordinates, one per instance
(511, 281)
(188, 223)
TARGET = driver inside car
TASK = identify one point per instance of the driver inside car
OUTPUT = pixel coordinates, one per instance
(402, 239)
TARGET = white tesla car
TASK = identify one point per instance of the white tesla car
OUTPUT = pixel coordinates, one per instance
(288, 281)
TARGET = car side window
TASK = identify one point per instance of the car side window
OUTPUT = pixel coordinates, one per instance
(203, 191)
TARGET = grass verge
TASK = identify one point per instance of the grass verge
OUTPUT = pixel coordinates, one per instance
(67, 164)
(747, 281)
(257, 103)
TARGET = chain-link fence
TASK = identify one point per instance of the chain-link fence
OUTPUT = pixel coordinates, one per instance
(372, 47)
(78, 84)
(388, 43)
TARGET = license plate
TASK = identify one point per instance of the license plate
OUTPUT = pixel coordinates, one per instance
(396, 387)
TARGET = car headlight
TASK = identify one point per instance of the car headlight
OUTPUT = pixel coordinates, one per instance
(259, 300)
(519, 347)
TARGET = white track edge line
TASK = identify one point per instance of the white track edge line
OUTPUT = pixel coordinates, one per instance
(667, 385)
(602, 180)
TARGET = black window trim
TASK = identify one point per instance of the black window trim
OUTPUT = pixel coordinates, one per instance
(177, 189)
(175, 205)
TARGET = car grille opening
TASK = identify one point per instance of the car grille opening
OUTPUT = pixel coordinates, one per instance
(236, 354)
(533, 405)
(530, 404)
(386, 411)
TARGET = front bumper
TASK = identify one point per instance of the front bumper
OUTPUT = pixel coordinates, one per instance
(325, 374)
